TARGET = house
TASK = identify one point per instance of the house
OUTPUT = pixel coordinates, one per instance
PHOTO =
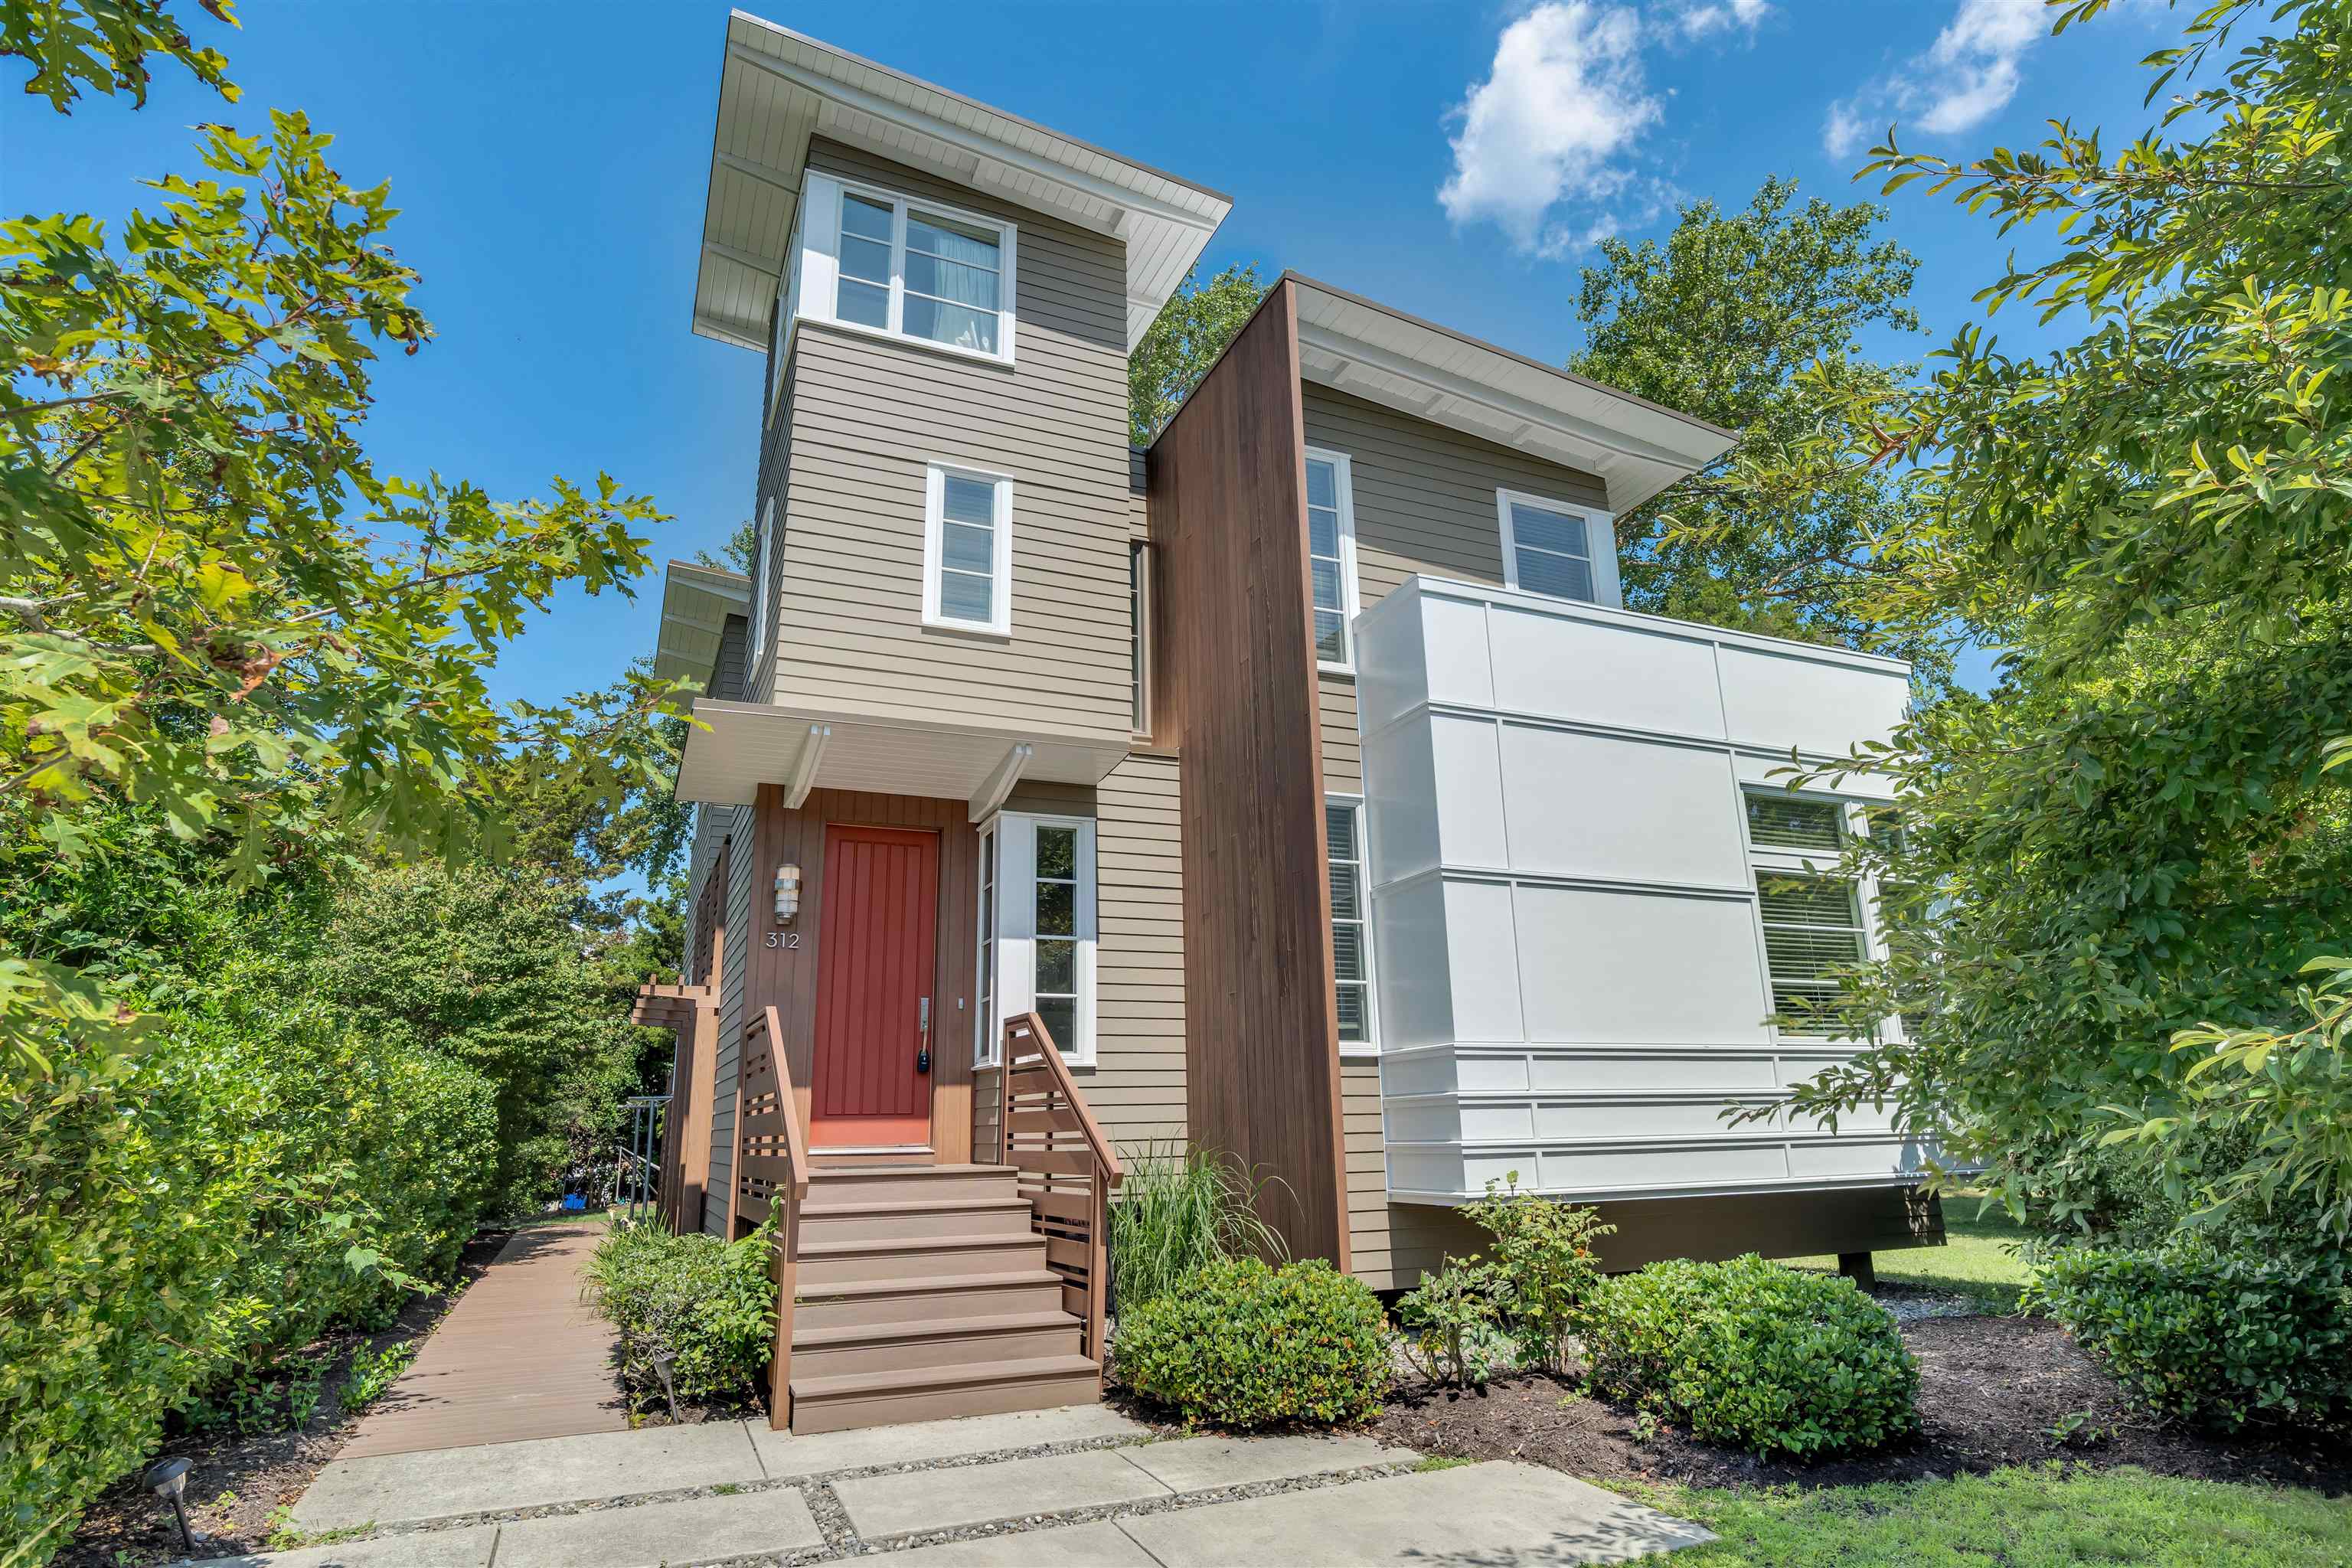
(1300, 778)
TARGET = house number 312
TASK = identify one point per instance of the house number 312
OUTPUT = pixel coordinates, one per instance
(787, 938)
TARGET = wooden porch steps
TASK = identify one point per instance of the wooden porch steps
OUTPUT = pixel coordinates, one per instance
(922, 1293)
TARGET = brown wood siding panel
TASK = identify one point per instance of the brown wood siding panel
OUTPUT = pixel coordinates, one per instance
(786, 978)
(864, 415)
(1238, 688)
(1135, 1087)
(733, 967)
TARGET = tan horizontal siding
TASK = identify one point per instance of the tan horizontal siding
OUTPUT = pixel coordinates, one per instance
(867, 415)
(1137, 1087)
(1424, 502)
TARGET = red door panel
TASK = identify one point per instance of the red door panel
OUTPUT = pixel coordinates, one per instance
(878, 942)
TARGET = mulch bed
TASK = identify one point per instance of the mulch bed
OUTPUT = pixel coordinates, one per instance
(1991, 1390)
(128, 1524)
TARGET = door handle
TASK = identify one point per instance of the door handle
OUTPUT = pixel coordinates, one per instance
(923, 1023)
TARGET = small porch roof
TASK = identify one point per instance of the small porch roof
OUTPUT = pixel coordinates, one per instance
(736, 747)
(696, 602)
(668, 1007)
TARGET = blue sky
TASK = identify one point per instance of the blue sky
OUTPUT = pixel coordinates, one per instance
(1454, 161)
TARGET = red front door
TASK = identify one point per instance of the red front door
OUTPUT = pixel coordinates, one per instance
(877, 949)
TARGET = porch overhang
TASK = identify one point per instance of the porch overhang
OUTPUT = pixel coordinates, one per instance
(668, 1007)
(736, 747)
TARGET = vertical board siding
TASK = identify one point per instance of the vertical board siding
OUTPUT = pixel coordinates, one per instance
(1135, 1087)
(1424, 502)
(734, 967)
(846, 462)
(1237, 692)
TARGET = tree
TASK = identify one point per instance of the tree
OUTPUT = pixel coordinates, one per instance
(740, 554)
(1719, 321)
(196, 620)
(105, 44)
(2134, 834)
(1191, 329)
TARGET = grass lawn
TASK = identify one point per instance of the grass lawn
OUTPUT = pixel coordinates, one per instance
(2014, 1519)
(1977, 1260)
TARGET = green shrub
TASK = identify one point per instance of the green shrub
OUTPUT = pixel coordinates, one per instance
(1752, 1355)
(2215, 1339)
(1239, 1344)
(711, 1304)
(374, 1372)
(1544, 1266)
(1449, 1333)
(1178, 1210)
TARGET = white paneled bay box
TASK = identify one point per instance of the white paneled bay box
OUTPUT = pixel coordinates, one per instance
(1589, 892)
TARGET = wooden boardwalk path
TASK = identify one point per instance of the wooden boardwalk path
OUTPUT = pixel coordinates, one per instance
(521, 1355)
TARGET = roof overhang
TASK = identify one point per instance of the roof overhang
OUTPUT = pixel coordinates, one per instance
(696, 602)
(778, 88)
(1635, 447)
(736, 747)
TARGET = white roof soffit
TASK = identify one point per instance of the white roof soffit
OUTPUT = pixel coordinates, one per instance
(796, 748)
(696, 602)
(778, 88)
(1416, 367)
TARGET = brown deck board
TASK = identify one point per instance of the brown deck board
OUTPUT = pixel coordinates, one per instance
(519, 1357)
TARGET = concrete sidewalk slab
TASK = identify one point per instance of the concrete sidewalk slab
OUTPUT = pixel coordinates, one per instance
(693, 1530)
(1101, 1545)
(1499, 1515)
(447, 1483)
(822, 1453)
(466, 1548)
(1205, 1464)
(880, 1507)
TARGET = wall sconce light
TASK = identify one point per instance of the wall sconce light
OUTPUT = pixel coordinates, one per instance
(788, 894)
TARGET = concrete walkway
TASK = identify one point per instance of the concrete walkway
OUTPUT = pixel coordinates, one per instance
(1080, 1486)
(519, 1357)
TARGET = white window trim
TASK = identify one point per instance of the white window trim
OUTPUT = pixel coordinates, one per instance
(1370, 1045)
(1000, 598)
(1350, 601)
(1015, 837)
(1599, 535)
(763, 601)
(987, 994)
(1776, 860)
(819, 255)
(1138, 556)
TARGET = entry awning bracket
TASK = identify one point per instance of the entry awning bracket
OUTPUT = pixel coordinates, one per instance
(1001, 780)
(796, 788)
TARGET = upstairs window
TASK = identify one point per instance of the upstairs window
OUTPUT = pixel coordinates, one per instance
(764, 600)
(1787, 822)
(1552, 547)
(966, 550)
(1332, 556)
(1139, 598)
(908, 268)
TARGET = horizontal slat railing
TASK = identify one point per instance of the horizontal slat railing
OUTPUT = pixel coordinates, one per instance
(771, 1174)
(1069, 1172)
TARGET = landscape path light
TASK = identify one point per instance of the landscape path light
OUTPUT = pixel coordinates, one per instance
(663, 1360)
(168, 1479)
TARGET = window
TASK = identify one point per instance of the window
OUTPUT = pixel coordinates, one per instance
(1351, 932)
(966, 550)
(1787, 822)
(1139, 596)
(1332, 556)
(986, 1030)
(1037, 929)
(1811, 924)
(788, 310)
(885, 263)
(1552, 547)
(764, 600)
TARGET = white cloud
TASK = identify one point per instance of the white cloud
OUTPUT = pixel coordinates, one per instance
(1564, 104)
(1962, 80)
(1708, 17)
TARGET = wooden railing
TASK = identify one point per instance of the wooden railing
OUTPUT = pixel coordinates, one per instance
(771, 1176)
(1068, 1170)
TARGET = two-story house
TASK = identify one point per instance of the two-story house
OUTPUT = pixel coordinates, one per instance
(1302, 775)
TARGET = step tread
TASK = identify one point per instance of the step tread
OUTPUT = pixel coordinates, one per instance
(945, 1243)
(916, 1173)
(912, 1205)
(851, 1385)
(927, 1284)
(933, 1328)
